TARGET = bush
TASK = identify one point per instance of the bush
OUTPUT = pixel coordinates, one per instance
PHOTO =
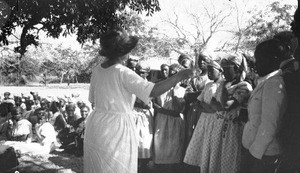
(12, 79)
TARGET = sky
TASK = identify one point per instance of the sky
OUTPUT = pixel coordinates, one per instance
(182, 8)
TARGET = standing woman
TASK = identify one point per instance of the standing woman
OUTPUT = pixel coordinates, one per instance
(110, 142)
(237, 91)
(144, 123)
(204, 149)
(169, 128)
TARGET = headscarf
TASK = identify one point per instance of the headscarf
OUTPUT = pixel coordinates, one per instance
(216, 65)
(235, 59)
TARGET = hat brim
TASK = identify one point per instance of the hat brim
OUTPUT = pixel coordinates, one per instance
(122, 48)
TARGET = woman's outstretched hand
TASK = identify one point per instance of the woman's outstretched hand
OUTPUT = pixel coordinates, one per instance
(187, 73)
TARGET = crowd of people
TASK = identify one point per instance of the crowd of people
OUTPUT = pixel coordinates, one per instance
(52, 122)
(215, 115)
(228, 118)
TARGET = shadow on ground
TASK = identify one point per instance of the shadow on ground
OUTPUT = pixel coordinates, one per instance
(54, 162)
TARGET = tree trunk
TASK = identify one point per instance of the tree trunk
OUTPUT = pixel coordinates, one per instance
(45, 79)
(61, 78)
(76, 79)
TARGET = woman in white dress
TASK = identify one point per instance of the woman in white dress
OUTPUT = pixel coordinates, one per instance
(110, 142)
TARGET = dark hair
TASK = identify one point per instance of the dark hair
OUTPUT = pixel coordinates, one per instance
(85, 106)
(28, 104)
(41, 114)
(5, 108)
(54, 106)
(70, 107)
(288, 39)
(16, 110)
(295, 25)
(183, 57)
(164, 65)
(268, 56)
(18, 100)
(7, 93)
(116, 43)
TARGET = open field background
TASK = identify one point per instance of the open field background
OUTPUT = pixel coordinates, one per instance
(53, 90)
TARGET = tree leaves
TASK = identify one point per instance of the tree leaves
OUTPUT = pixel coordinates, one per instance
(86, 18)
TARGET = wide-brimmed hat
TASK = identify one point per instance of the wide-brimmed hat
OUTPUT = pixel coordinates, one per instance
(116, 43)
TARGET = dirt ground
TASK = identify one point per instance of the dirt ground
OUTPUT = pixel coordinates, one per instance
(56, 161)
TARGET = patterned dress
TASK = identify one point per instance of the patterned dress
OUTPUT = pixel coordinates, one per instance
(204, 149)
(232, 128)
(216, 143)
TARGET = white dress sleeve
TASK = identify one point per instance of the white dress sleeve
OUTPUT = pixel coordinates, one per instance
(136, 84)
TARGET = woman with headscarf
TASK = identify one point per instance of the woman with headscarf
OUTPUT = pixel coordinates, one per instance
(144, 123)
(237, 92)
(191, 110)
(110, 141)
(204, 148)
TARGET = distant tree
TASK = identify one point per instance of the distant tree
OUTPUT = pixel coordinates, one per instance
(87, 19)
(11, 67)
(295, 26)
(263, 25)
(203, 25)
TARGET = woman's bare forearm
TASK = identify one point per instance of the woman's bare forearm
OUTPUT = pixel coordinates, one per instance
(163, 86)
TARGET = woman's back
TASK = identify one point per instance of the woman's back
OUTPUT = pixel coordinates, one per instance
(113, 87)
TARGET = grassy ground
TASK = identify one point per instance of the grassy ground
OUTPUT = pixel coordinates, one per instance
(56, 161)
(53, 90)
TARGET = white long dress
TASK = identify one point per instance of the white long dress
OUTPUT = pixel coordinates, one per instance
(110, 142)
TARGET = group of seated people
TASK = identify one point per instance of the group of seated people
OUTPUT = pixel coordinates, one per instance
(52, 122)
